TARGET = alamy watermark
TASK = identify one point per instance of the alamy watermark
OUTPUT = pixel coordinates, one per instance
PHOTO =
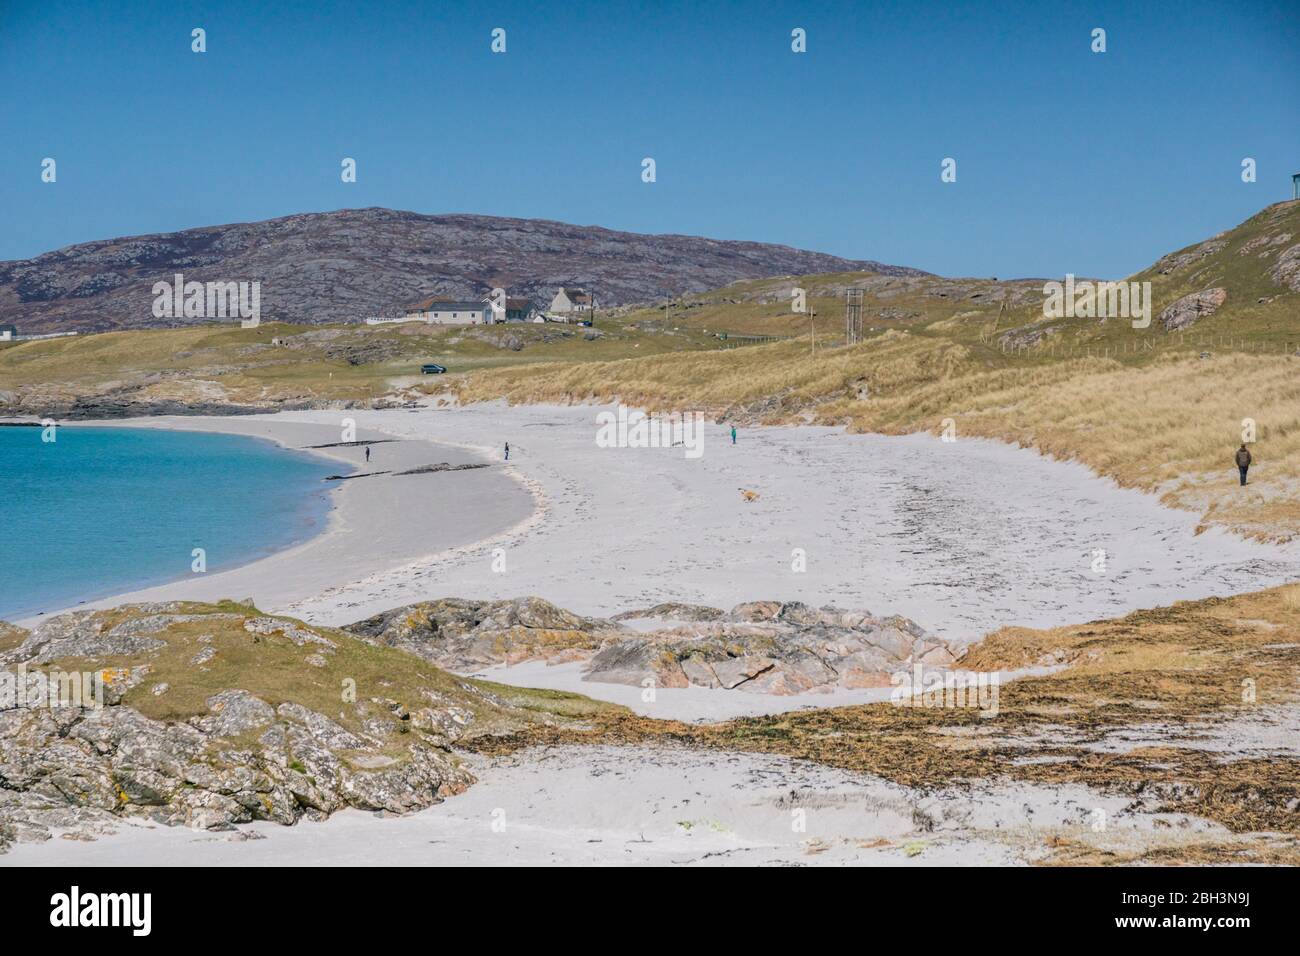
(208, 300)
(1098, 300)
(632, 428)
(939, 687)
(20, 689)
(75, 908)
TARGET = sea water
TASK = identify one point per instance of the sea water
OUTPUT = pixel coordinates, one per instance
(99, 511)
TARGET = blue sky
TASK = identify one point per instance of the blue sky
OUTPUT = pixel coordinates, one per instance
(1067, 161)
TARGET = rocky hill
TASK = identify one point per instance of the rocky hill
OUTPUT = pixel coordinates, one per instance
(354, 263)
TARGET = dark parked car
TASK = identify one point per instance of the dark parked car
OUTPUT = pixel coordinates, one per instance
(432, 369)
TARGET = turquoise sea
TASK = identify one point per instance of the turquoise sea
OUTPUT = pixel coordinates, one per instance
(100, 511)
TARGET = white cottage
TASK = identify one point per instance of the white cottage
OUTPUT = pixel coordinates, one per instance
(569, 301)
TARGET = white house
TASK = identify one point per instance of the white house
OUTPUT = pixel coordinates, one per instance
(7, 333)
(448, 312)
(568, 301)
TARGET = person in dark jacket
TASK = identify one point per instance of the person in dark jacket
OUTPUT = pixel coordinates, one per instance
(1243, 461)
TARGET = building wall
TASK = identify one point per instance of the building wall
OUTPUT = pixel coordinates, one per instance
(460, 317)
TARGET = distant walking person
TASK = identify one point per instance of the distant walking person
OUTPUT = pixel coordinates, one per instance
(507, 451)
(367, 454)
(733, 434)
(1243, 461)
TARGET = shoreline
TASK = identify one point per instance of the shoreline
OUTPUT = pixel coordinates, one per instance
(375, 522)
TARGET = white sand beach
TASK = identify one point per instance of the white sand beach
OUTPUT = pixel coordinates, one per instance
(962, 537)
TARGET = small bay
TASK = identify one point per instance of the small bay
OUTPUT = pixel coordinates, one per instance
(104, 510)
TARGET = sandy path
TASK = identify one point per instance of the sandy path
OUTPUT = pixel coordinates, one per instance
(624, 806)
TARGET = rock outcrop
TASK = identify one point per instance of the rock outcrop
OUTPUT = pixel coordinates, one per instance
(1178, 260)
(1026, 337)
(672, 611)
(1183, 313)
(769, 647)
(1286, 271)
(766, 647)
(69, 767)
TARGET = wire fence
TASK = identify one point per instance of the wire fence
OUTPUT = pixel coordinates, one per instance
(732, 340)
